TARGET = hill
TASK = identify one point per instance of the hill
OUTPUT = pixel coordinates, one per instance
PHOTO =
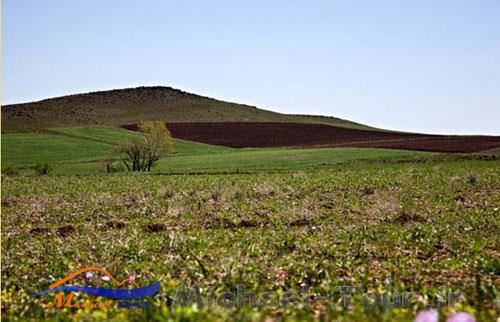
(133, 105)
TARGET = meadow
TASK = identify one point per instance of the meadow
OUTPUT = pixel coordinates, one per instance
(268, 219)
(80, 150)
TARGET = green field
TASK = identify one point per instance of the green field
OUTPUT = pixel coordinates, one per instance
(78, 145)
(272, 220)
(418, 227)
(78, 150)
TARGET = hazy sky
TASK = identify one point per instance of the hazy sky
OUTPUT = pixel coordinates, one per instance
(430, 66)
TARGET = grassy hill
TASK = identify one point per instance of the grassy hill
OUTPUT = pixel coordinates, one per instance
(82, 144)
(133, 105)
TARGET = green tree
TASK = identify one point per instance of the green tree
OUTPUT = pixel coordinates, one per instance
(139, 154)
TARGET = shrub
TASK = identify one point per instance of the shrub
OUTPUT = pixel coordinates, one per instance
(472, 179)
(115, 167)
(43, 168)
(139, 154)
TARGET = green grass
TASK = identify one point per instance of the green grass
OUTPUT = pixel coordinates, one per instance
(415, 227)
(257, 160)
(78, 144)
(78, 150)
(183, 147)
(268, 219)
(23, 149)
(109, 135)
(115, 136)
(277, 159)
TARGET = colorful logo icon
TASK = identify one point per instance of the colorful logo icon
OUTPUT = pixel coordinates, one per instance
(118, 293)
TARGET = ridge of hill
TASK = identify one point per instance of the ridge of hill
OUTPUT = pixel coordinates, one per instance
(133, 105)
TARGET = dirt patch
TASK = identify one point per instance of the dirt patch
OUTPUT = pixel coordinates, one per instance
(269, 134)
(65, 231)
(405, 218)
(228, 224)
(383, 204)
(301, 223)
(9, 202)
(249, 224)
(116, 224)
(157, 227)
(367, 191)
(62, 231)
(39, 230)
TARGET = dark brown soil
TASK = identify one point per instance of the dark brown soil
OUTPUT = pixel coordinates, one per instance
(157, 227)
(267, 134)
(65, 231)
(300, 223)
(116, 224)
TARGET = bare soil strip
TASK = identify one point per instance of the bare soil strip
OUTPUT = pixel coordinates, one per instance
(268, 134)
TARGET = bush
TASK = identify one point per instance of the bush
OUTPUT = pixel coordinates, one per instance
(112, 166)
(139, 154)
(472, 179)
(10, 170)
(43, 168)
(115, 167)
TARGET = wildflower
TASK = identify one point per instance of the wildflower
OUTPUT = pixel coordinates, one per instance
(89, 275)
(460, 317)
(427, 316)
(105, 278)
(131, 278)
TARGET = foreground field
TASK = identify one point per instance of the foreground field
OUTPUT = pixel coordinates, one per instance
(424, 227)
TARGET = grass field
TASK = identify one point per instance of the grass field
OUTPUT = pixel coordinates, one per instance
(78, 144)
(78, 150)
(23, 149)
(268, 219)
(422, 227)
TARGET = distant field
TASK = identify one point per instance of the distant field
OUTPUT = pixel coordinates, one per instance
(258, 160)
(278, 160)
(78, 150)
(22, 149)
(78, 144)
(102, 134)
(272, 134)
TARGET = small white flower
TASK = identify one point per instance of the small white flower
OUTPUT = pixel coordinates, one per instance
(89, 275)
(105, 278)
(131, 278)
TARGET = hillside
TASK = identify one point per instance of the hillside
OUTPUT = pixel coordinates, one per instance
(133, 105)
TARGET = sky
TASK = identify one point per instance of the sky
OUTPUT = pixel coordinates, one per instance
(422, 66)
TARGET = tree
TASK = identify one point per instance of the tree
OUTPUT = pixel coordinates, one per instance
(139, 154)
